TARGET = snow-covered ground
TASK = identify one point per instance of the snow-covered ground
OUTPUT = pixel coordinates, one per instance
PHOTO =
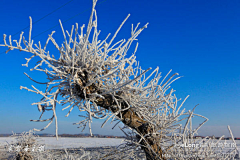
(70, 143)
(64, 142)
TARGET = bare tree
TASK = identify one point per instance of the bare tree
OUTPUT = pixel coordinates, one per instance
(97, 77)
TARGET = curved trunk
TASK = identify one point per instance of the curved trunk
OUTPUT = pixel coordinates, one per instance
(131, 119)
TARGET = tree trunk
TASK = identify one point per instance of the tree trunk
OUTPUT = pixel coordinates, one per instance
(129, 118)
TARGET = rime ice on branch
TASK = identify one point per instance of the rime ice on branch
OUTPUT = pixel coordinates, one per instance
(96, 76)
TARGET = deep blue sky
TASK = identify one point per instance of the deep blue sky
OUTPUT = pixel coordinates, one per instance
(198, 39)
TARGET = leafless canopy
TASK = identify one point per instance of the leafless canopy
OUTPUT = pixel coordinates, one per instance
(97, 77)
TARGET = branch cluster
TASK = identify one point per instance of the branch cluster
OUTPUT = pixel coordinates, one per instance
(97, 77)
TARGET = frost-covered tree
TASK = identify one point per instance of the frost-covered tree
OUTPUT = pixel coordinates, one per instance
(97, 77)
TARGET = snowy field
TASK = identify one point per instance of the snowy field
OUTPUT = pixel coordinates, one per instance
(64, 142)
(76, 143)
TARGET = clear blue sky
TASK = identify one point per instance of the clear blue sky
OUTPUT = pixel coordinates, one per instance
(199, 39)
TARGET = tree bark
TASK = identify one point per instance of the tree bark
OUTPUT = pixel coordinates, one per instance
(129, 118)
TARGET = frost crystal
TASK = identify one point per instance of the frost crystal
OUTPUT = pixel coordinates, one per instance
(97, 77)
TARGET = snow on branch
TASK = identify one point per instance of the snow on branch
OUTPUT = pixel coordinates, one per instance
(97, 77)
